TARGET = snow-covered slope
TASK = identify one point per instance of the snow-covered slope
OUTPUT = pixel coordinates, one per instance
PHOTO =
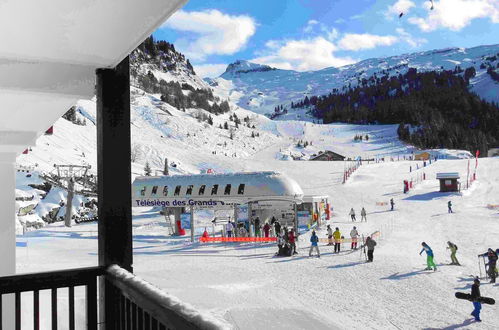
(260, 88)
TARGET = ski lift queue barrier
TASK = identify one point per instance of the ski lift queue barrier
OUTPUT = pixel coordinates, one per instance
(237, 239)
(376, 234)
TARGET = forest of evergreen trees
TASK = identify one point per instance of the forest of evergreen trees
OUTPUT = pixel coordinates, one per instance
(433, 109)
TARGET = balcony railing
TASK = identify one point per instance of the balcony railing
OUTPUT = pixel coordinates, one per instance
(132, 303)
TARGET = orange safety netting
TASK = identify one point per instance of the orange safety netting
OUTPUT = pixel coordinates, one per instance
(237, 239)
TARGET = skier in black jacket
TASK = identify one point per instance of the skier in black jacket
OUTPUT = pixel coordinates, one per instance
(475, 296)
(492, 256)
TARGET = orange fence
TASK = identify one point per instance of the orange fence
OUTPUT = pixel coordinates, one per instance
(237, 239)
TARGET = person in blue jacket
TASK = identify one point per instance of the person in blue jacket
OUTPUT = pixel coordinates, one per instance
(314, 240)
(429, 256)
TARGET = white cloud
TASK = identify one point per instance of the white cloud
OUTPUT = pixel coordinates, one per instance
(310, 26)
(456, 14)
(209, 70)
(412, 41)
(353, 41)
(213, 32)
(302, 55)
(401, 6)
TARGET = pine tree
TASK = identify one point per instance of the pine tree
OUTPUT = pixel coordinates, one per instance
(226, 126)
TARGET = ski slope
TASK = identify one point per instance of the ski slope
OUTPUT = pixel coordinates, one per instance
(246, 287)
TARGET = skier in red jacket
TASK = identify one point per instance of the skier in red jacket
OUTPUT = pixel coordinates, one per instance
(292, 240)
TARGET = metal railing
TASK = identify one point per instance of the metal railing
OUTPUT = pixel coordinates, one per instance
(53, 281)
(132, 303)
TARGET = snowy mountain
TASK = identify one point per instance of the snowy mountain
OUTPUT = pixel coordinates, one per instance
(261, 88)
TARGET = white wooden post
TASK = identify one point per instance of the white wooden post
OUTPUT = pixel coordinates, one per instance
(8, 232)
(192, 223)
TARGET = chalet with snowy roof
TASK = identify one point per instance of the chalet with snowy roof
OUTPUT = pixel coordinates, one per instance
(328, 155)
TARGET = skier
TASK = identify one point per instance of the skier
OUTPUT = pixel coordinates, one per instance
(453, 250)
(352, 214)
(277, 228)
(491, 271)
(230, 227)
(266, 229)
(363, 214)
(392, 203)
(257, 227)
(429, 256)
(449, 206)
(292, 240)
(354, 234)
(370, 243)
(337, 240)
(475, 295)
(329, 235)
(314, 239)
(280, 245)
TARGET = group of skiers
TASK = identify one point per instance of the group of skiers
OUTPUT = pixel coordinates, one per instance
(363, 214)
(491, 269)
(243, 230)
(335, 238)
(475, 296)
(286, 242)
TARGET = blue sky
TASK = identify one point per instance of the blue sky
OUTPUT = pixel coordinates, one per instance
(313, 34)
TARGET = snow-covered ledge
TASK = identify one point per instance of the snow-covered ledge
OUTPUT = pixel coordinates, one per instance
(7, 230)
(167, 307)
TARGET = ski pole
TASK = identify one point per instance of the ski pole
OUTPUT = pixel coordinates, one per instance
(479, 267)
(485, 267)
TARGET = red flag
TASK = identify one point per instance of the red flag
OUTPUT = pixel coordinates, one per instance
(476, 156)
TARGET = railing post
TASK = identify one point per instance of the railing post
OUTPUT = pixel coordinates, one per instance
(7, 233)
(114, 179)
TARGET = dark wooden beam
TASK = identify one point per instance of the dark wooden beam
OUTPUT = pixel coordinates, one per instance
(113, 166)
(114, 181)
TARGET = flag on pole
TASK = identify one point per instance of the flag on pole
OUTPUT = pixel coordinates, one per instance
(476, 157)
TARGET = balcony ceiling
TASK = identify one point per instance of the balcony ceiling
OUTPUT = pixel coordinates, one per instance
(49, 51)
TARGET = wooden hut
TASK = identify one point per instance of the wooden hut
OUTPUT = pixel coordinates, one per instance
(448, 181)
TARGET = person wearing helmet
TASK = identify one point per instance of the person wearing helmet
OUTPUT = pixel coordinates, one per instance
(453, 250)
(491, 271)
(475, 297)
(314, 240)
(429, 256)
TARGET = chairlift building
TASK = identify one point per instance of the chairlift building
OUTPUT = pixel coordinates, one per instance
(267, 194)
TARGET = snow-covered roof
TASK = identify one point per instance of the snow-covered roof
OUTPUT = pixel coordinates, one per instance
(235, 187)
(50, 61)
(449, 175)
(315, 198)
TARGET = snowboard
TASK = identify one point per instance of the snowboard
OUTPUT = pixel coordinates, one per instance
(483, 300)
